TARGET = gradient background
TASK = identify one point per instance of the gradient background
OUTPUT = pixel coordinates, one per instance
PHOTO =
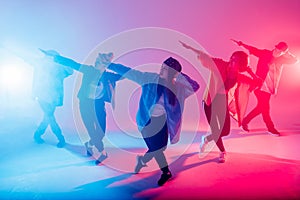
(259, 166)
(75, 28)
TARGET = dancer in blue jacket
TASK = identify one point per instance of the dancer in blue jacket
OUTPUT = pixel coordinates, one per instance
(161, 104)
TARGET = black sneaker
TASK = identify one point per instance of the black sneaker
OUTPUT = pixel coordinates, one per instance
(164, 178)
(273, 131)
(101, 159)
(139, 164)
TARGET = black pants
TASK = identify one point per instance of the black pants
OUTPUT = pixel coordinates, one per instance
(93, 115)
(262, 107)
(155, 135)
(218, 117)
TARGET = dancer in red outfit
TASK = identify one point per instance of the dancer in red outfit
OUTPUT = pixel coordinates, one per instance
(269, 68)
(223, 77)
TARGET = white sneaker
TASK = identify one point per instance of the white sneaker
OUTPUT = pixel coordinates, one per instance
(139, 164)
(203, 144)
(222, 157)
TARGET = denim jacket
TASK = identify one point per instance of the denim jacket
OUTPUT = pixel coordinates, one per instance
(185, 87)
(91, 78)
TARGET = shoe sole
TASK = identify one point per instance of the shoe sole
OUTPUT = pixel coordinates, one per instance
(97, 162)
(61, 145)
(169, 179)
(222, 160)
(274, 134)
(246, 130)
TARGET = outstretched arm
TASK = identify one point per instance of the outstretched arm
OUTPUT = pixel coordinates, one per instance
(205, 59)
(251, 49)
(132, 74)
(197, 51)
(62, 60)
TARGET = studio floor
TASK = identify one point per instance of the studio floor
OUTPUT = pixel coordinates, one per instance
(258, 166)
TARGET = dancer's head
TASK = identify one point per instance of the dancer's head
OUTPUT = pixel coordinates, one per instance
(103, 60)
(170, 68)
(239, 61)
(280, 49)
